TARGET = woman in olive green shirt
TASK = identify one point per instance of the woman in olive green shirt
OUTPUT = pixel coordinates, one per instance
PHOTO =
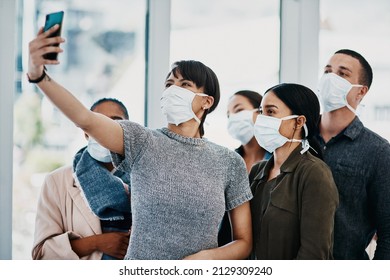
(295, 197)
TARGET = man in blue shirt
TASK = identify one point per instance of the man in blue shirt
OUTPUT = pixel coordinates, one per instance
(359, 159)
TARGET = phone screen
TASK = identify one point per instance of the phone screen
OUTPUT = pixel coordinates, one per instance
(51, 20)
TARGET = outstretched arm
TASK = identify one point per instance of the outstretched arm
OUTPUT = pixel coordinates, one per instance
(106, 131)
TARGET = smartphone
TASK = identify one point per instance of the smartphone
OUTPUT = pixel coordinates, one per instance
(51, 20)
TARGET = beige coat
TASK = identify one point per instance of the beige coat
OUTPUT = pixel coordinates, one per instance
(62, 215)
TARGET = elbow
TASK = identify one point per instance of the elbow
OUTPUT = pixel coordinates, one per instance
(248, 247)
(85, 121)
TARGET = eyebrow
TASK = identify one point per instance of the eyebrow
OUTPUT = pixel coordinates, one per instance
(237, 105)
(269, 106)
(340, 67)
(234, 107)
(181, 80)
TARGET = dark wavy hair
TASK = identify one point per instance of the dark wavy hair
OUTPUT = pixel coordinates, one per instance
(202, 76)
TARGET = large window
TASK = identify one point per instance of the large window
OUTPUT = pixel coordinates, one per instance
(362, 26)
(238, 40)
(103, 57)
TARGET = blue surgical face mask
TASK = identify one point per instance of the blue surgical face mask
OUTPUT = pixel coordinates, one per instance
(97, 151)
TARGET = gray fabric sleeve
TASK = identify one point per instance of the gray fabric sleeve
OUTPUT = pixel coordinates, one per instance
(136, 139)
(238, 190)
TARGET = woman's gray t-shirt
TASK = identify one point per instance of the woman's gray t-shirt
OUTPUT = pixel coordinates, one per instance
(180, 190)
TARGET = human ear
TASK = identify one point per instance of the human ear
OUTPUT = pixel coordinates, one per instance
(301, 120)
(362, 92)
(207, 102)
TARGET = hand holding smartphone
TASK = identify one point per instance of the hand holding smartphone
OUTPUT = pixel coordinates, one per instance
(51, 20)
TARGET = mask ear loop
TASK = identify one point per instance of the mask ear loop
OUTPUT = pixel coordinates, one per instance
(346, 102)
(305, 142)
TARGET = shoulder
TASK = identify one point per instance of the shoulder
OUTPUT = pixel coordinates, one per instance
(315, 177)
(375, 140)
(224, 152)
(313, 165)
(61, 172)
(131, 127)
(357, 131)
(62, 175)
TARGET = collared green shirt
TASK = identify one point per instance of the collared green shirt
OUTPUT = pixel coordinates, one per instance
(296, 218)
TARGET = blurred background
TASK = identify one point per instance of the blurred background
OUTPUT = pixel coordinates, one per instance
(105, 55)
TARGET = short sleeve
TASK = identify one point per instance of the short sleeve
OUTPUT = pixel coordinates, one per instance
(136, 139)
(237, 191)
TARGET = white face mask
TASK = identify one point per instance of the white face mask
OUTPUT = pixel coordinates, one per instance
(332, 92)
(268, 136)
(240, 125)
(97, 151)
(176, 104)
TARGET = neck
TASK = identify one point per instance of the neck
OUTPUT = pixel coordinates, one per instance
(253, 153)
(282, 153)
(187, 129)
(108, 165)
(253, 150)
(332, 123)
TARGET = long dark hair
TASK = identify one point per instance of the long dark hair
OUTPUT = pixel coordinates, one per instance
(302, 101)
(202, 76)
(253, 97)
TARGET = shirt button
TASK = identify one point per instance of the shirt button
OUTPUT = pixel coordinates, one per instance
(324, 147)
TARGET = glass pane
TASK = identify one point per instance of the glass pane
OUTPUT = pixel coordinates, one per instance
(365, 29)
(103, 57)
(238, 40)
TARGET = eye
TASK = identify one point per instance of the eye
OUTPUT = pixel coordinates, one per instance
(327, 71)
(167, 85)
(270, 112)
(186, 84)
(342, 74)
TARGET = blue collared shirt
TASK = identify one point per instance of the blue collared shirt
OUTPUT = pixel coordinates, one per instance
(360, 164)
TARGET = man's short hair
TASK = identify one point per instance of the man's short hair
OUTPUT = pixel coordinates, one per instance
(366, 75)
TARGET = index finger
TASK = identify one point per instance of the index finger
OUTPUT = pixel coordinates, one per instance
(48, 32)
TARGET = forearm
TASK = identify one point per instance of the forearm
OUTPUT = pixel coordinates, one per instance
(66, 102)
(235, 250)
(98, 126)
(84, 246)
